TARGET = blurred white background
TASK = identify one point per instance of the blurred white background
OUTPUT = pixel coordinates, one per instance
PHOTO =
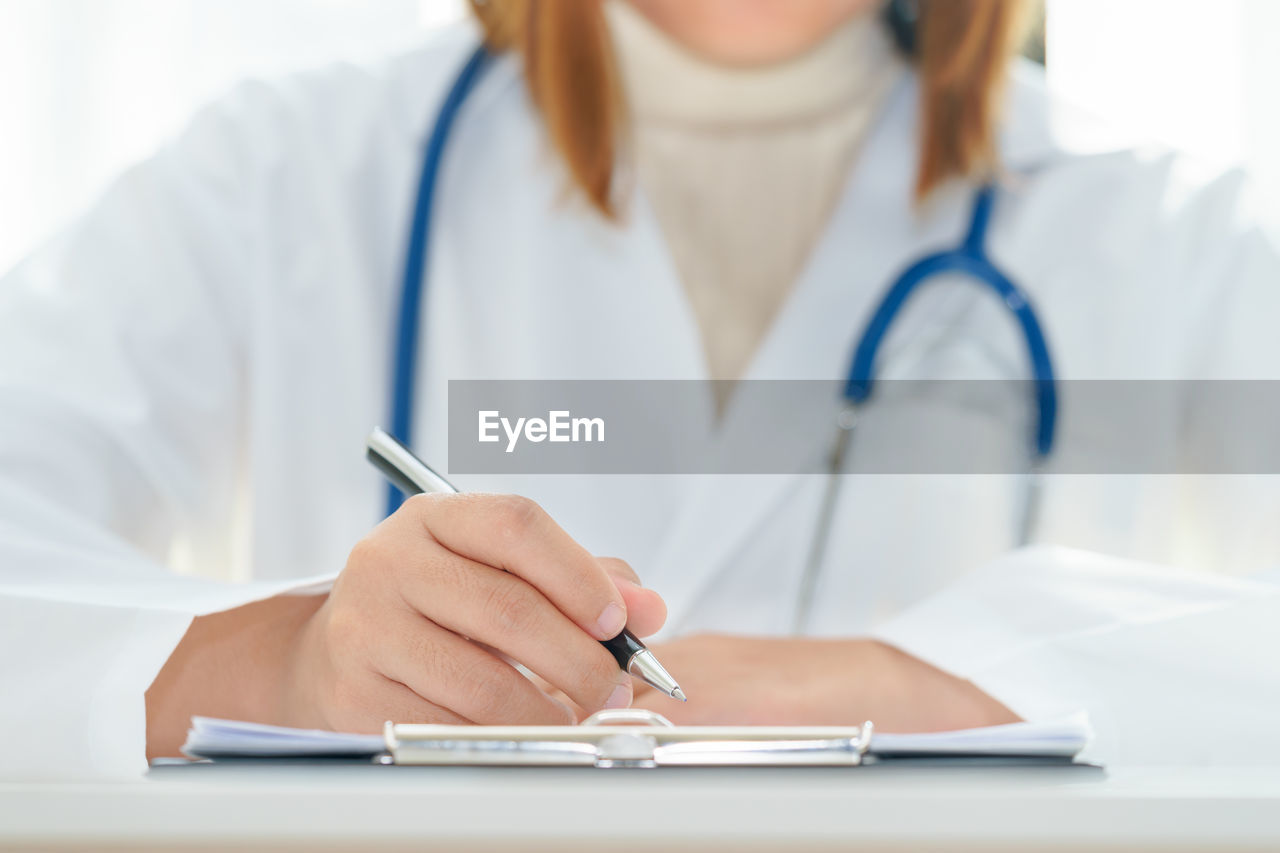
(1201, 75)
(88, 86)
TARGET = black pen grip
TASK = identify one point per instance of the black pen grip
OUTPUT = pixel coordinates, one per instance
(623, 647)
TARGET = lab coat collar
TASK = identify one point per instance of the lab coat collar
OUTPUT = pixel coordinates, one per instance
(430, 73)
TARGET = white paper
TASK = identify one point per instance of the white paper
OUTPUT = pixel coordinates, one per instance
(1061, 738)
(212, 738)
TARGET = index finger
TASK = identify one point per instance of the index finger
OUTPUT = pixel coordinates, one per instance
(516, 535)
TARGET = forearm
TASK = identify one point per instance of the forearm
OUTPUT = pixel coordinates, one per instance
(913, 696)
(850, 680)
(233, 664)
(734, 680)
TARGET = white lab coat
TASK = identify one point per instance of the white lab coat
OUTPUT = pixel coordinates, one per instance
(187, 375)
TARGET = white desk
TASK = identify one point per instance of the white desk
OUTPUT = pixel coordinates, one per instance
(377, 808)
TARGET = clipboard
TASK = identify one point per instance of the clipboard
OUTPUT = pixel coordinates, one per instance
(633, 738)
(625, 738)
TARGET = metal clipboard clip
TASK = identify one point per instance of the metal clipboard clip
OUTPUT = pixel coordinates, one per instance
(626, 738)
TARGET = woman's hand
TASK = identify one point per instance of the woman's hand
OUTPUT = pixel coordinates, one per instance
(424, 624)
(800, 681)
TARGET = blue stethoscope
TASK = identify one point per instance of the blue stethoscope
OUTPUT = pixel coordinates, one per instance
(969, 259)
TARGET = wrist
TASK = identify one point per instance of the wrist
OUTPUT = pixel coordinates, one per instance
(294, 701)
(235, 664)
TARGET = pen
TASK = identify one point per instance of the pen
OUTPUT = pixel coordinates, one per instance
(413, 476)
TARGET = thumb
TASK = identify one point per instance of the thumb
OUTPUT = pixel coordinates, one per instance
(646, 611)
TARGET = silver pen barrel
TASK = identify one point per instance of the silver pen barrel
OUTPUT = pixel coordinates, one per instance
(645, 666)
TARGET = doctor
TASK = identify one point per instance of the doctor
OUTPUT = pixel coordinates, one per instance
(652, 189)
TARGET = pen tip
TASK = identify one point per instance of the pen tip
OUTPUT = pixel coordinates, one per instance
(679, 694)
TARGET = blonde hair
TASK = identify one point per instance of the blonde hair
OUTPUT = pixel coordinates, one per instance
(962, 54)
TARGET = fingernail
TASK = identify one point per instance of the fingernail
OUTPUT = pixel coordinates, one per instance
(612, 621)
(620, 697)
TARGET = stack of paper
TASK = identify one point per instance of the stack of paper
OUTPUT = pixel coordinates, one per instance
(210, 738)
(1061, 738)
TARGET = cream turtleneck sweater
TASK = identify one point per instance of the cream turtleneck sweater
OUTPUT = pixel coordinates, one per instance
(743, 166)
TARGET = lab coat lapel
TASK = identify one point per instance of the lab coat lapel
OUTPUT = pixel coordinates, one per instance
(873, 233)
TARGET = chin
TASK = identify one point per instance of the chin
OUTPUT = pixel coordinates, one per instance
(752, 32)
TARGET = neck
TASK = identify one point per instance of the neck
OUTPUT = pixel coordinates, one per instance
(666, 82)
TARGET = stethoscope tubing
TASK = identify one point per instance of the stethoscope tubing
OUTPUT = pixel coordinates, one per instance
(414, 280)
(969, 260)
